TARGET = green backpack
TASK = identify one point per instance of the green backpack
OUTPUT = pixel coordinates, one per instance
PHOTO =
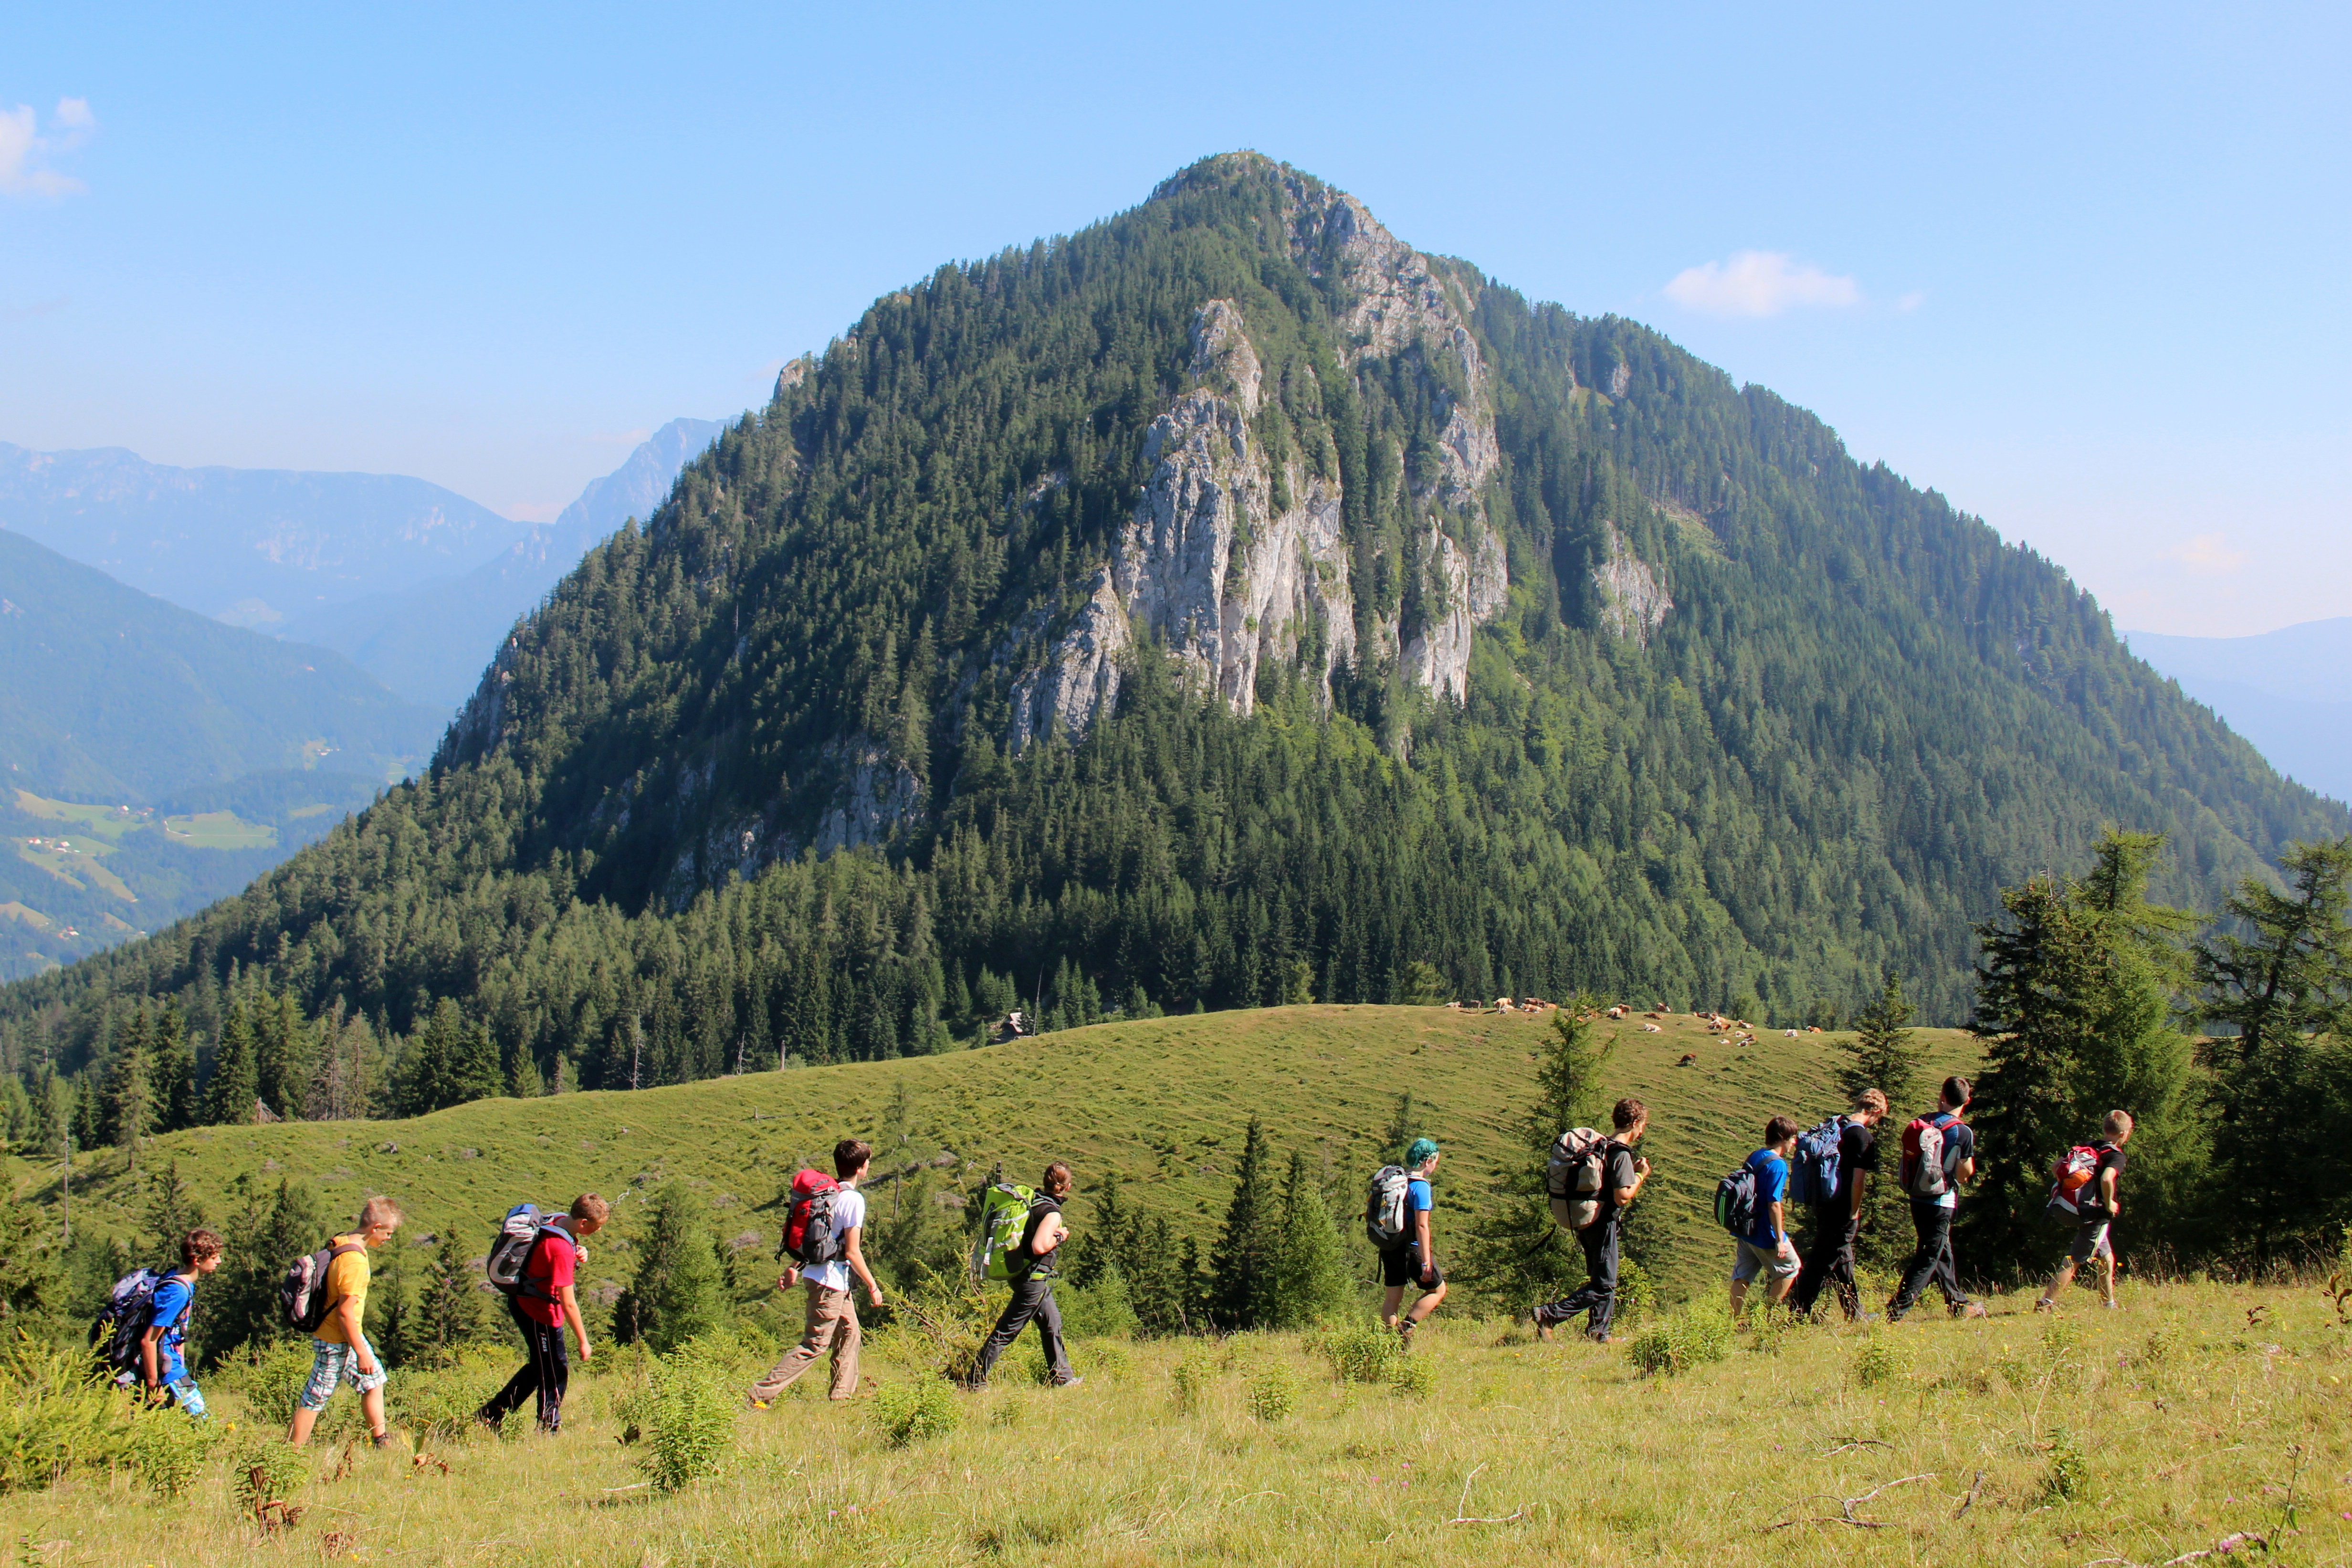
(1003, 1216)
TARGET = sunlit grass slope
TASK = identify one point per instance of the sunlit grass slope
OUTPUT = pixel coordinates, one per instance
(1164, 1101)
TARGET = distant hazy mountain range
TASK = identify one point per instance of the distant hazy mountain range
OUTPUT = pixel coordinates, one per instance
(413, 583)
(2288, 691)
(429, 642)
(152, 759)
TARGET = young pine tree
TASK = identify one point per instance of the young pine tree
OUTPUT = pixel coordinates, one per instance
(391, 1317)
(2282, 1074)
(1516, 1252)
(449, 1311)
(2074, 1002)
(230, 1092)
(1241, 1290)
(1311, 1282)
(177, 1103)
(1885, 1056)
(675, 1293)
(173, 1210)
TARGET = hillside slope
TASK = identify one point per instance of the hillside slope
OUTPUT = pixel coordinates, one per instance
(1223, 606)
(2285, 691)
(1163, 1102)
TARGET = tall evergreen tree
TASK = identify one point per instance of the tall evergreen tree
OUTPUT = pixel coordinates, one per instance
(1514, 1253)
(391, 1320)
(1241, 1288)
(2074, 1007)
(1311, 1267)
(1885, 1056)
(173, 1210)
(176, 1097)
(2281, 984)
(676, 1293)
(266, 1229)
(235, 1083)
(284, 1053)
(449, 1310)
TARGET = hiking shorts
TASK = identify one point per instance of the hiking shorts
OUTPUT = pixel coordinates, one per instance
(2090, 1241)
(1780, 1262)
(331, 1364)
(1403, 1267)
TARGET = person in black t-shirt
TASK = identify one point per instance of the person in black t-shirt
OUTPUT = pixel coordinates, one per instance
(1838, 1221)
(1621, 1175)
(2096, 1212)
(1036, 1263)
(1931, 1217)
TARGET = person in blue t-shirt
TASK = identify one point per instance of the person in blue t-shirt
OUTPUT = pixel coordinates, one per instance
(1415, 1260)
(162, 1362)
(1767, 1248)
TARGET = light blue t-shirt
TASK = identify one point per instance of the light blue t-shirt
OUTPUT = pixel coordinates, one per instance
(168, 1307)
(1416, 1201)
(1771, 1187)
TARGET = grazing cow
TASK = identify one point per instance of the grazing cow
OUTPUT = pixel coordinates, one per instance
(1652, 1030)
(1788, 1033)
(1618, 1011)
(1690, 1059)
(1502, 1003)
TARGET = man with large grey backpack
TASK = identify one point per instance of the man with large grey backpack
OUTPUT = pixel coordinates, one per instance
(1939, 1158)
(1396, 1222)
(1590, 1181)
(532, 1262)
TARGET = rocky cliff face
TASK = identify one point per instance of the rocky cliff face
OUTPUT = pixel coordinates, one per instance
(1633, 598)
(1217, 574)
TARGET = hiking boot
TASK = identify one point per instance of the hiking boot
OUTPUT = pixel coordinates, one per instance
(2044, 1304)
(1603, 1339)
(1969, 1310)
(381, 1440)
(1404, 1337)
(1543, 1323)
(1072, 1381)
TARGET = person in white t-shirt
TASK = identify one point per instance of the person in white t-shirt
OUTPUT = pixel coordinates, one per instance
(831, 1313)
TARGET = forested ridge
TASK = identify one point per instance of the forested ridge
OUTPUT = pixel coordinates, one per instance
(742, 787)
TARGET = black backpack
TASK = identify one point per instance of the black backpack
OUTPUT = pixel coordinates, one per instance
(302, 1288)
(121, 1323)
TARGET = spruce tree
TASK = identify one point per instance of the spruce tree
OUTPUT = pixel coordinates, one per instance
(676, 1293)
(1311, 1269)
(391, 1317)
(2074, 1004)
(173, 1210)
(230, 1092)
(177, 1100)
(474, 1070)
(1514, 1252)
(1885, 1056)
(449, 1311)
(2282, 985)
(1241, 1290)
(283, 1055)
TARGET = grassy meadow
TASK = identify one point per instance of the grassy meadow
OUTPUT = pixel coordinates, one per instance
(2198, 1412)
(1163, 1100)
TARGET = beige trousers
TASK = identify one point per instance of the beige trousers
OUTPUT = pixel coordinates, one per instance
(832, 1320)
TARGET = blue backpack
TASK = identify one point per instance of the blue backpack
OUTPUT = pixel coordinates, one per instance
(1813, 1170)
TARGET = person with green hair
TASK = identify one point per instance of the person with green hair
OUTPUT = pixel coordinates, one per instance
(1415, 1258)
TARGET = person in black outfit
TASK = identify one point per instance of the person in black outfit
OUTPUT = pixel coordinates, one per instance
(1034, 1263)
(1621, 1175)
(2096, 1212)
(1931, 1215)
(1838, 1220)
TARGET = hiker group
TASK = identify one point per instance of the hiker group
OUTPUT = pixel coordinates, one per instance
(1591, 1180)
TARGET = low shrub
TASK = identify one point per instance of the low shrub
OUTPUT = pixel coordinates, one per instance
(1273, 1393)
(1190, 1381)
(1882, 1359)
(439, 1405)
(2069, 1476)
(916, 1411)
(264, 1479)
(1692, 1337)
(1362, 1352)
(56, 1415)
(689, 1419)
(269, 1374)
(1413, 1377)
(167, 1450)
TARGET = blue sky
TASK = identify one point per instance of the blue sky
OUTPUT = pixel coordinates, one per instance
(2081, 269)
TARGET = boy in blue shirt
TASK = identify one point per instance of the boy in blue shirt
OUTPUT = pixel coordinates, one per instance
(162, 1349)
(1415, 1261)
(1766, 1250)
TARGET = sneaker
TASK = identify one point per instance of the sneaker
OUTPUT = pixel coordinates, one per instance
(381, 1440)
(756, 1403)
(2112, 1306)
(2044, 1304)
(1603, 1339)
(1969, 1310)
(1543, 1324)
(1072, 1381)
(1404, 1337)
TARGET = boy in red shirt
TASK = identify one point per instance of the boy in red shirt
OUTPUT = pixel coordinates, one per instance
(541, 1308)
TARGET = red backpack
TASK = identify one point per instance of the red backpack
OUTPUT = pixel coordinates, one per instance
(2073, 1172)
(808, 1222)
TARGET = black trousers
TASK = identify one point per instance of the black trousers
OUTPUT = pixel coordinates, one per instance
(1599, 1294)
(546, 1372)
(1933, 1261)
(1829, 1262)
(1030, 1299)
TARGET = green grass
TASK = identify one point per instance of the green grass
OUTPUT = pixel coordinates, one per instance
(1163, 1102)
(219, 830)
(2134, 1437)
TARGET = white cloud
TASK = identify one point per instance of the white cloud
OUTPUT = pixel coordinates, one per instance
(24, 152)
(1911, 302)
(1758, 283)
(2208, 555)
